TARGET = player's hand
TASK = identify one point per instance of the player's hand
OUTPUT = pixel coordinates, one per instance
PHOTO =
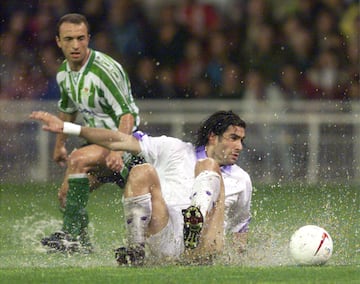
(114, 161)
(50, 122)
(60, 156)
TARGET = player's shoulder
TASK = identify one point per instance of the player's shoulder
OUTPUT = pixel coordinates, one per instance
(236, 170)
(168, 143)
(101, 58)
(173, 141)
(103, 65)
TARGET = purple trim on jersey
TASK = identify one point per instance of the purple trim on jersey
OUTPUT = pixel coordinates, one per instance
(245, 227)
(201, 154)
(138, 135)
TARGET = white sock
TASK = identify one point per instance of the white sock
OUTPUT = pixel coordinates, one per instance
(206, 191)
(137, 212)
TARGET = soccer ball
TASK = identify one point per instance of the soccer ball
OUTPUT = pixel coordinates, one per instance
(311, 245)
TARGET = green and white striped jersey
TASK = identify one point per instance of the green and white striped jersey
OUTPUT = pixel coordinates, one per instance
(100, 91)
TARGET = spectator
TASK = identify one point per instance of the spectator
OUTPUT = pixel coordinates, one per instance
(301, 48)
(325, 28)
(258, 91)
(19, 78)
(264, 53)
(96, 11)
(178, 35)
(290, 83)
(307, 11)
(39, 26)
(102, 40)
(353, 92)
(350, 22)
(352, 69)
(326, 79)
(231, 83)
(218, 57)
(49, 64)
(257, 13)
(26, 83)
(170, 38)
(9, 50)
(168, 88)
(201, 19)
(191, 67)
(145, 84)
(201, 89)
(126, 30)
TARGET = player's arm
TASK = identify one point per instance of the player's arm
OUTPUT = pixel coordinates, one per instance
(61, 137)
(114, 159)
(60, 154)
(113, 140)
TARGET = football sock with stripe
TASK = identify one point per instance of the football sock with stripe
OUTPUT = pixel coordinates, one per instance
(75, 215)
(205, 191)
(137, 212)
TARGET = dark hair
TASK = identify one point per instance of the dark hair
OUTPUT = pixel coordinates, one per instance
(217, 123)
(74, 19)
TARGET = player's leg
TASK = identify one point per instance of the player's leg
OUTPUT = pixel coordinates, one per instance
(145, 212)
(84, 160)
(75, 191)
(73, 236)
(204, 220)
(212, 236)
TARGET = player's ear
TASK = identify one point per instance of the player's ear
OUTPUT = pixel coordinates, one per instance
(211, 138)
(57, 39)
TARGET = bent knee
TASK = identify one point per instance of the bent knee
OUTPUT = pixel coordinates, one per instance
(142, 173)
(77, 160)
(142, 179)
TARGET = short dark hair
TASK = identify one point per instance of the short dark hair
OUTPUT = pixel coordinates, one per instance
(73, 18)
(217, 123)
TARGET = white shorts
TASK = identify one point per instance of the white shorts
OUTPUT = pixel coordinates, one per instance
(169, 242)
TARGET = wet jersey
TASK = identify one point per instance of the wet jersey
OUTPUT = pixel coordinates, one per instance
(100, 91)
(174, 161)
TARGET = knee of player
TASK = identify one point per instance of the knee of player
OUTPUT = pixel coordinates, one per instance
(77, 160)
(143, 174)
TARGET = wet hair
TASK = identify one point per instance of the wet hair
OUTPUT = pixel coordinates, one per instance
(217, 124)
(74, 19)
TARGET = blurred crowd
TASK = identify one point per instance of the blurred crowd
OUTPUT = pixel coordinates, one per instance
(236, 49)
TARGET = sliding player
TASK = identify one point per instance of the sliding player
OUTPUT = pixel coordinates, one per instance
(186, 197)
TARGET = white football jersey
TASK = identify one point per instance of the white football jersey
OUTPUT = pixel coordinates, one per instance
(174, 161)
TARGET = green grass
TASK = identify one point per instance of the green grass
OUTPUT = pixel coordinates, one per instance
(30, 212)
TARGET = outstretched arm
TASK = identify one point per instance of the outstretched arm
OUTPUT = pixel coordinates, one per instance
(113, 140)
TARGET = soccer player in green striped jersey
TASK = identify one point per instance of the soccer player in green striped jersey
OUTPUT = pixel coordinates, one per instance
(96, 86)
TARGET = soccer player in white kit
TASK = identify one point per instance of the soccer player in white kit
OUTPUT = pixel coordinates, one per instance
(187, 197)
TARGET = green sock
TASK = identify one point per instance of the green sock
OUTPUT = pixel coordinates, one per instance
(75, 214)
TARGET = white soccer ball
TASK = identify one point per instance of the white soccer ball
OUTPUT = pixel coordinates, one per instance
(311, 245)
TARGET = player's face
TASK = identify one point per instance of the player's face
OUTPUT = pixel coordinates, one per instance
(227, 147)
(73, 40)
